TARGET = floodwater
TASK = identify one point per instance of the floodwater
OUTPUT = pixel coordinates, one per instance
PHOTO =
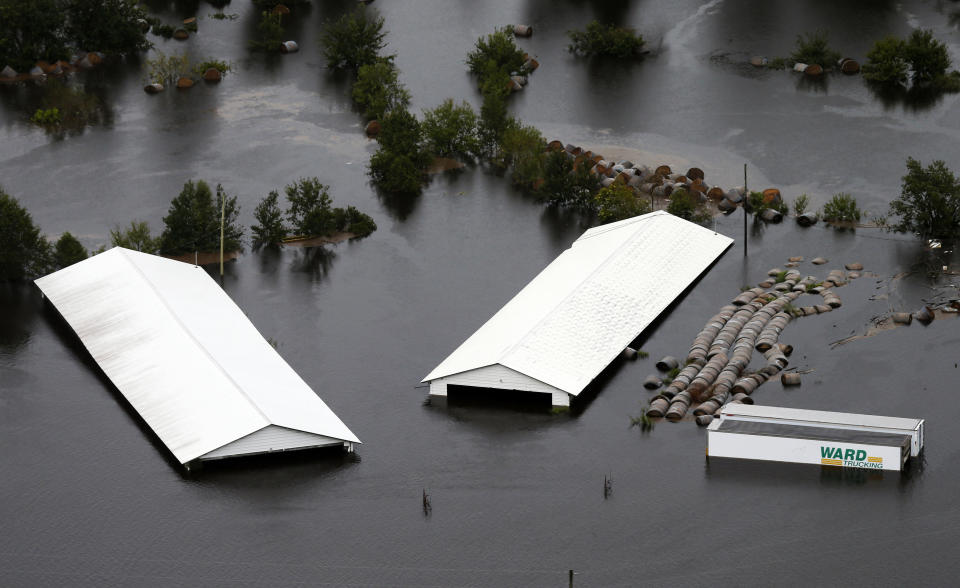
(89, 497)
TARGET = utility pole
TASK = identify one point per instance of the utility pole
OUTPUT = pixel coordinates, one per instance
(223, 216)
(746, 195)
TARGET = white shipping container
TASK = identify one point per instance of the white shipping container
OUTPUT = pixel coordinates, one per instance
(814, 437)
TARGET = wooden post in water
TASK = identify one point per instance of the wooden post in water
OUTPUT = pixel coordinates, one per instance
(571, 578)
(223, 217)
(746, 194)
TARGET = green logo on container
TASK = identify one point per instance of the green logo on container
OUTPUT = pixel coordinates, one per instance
(851, 458)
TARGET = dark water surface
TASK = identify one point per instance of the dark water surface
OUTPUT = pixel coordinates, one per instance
(88, 497)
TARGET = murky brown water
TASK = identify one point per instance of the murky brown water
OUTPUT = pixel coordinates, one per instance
(88, 497)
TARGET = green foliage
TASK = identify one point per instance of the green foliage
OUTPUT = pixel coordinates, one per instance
(378, 90)
(780, 276)
(30, 30)
(221, 66)
(46, 117)
(167, 69)
(687, 205)
(814, 48)
(24, 252)
(565, 186)
(756, 204)
(619, 201)
(842, 207)
(778, 63)
(928, 57)
(136, 236)
(605, 41)
(193, 221)
(269, 231)
(451, 131)
(162, 30)
(310, 212)
(270, 33)
(353, 40)
(106, 25)
(399, 165)
(642, 354)
(948, 82)
(494, 122)
(68, 251)
(929, 202)
(800, 204)
(495, 55)
(522, 148)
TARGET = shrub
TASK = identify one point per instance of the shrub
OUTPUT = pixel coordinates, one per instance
(800, 204)
(24, 252)
(842, 207)
(886, 63)
(494, 122)
(310, 211)
(687, 205)
(46, 117)
(30, 30)
(136, 237)
(351, 220)
(221, 66)
(606, 41)
(495, 55)
(167, 69)
(523, 149)
(396, 173)
(353, 40)
(378, 90)
(928, 57)
(565, 186)
(617, 202)
(815, 48)
(929, 202)
(162, 30)
(270, 230)
(106, 25)
(451, 131)
(68, 251)
(193, 221)
(270, 33)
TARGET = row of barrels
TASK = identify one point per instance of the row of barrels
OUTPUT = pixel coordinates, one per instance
(714, 373)
(42, 69)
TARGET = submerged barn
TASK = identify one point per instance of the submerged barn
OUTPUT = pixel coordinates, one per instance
(558, 333)
(188, 360)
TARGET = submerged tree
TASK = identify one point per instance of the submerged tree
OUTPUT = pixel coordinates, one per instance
(193, 221)
(619, 201)
(269, 231)
(68, 251)
(378, 89)
(136, 236)
(111, 26)
(353, 40)
(605, 40)
(399, 165)
(24, 251)
(451, 131)
(929, 202)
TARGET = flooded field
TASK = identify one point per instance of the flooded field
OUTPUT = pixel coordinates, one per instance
(88, 496)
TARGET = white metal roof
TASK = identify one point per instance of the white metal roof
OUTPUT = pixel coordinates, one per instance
(820, 416)
(182, 353)
(573, 319)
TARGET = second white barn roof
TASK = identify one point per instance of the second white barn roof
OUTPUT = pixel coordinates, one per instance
(187, 358)
(584, 308)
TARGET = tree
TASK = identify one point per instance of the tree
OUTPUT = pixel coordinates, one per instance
(929, 202)
(270, 230)
(136, 237)
(30, 30)
(565, 184)
(496, 53)
(193, 221)
(841, 207)
(110, 26)
(451, 131)
(269, 31)
(399, 165)
(494, 121)
(886, 63)
(619, 201)
(378, 89)
(523, 148)
(814, 48)
(310, 212)
(24, 252)
(353, 40)
(688, 205)
(68, 251)
(605, 40)
(928, 57)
